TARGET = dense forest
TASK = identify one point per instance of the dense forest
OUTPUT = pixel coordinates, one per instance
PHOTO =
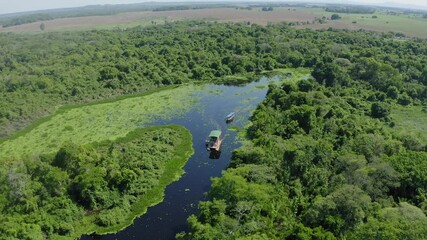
(95, 187)
(323, 162)
(40, 72)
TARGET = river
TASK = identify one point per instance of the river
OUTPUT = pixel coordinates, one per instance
(213, 103)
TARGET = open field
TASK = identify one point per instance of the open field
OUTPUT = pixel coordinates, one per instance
(410, 120)
(137, 18)
(410, 25)
(92, 22)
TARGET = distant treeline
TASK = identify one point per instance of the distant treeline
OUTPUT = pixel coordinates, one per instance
(189, 7)
(174, 8)
(351, 9)
(97, 10)
(279, 5)
(25, 19)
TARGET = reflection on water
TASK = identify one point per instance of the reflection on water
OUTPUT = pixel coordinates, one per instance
(212, 104)
(214, 154)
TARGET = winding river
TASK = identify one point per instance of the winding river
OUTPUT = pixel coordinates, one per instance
(214, 102)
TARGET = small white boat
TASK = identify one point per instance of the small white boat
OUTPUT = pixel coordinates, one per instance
(230, 117)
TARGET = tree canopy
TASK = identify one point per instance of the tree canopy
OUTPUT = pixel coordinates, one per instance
(89, 188)
(323, 159)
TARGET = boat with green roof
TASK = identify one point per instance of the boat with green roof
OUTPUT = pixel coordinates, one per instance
(213, 142)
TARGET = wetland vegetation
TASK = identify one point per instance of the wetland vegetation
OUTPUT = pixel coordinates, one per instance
(339, 155)
(99, 187)
(98, 122)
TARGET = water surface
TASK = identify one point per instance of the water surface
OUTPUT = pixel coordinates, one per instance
(213, 103)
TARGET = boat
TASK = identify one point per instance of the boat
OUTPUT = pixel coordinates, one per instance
(213, 142)
(230, 117)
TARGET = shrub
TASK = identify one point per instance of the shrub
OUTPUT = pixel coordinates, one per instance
(335, 17)
(404, 100)
(380, 110)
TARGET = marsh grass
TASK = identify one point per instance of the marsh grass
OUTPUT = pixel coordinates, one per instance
(410, 120)
(110, 119)
(105, 120)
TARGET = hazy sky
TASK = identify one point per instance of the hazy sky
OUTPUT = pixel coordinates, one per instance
(10, 6)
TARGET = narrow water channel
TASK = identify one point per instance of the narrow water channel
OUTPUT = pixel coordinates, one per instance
(214, 102)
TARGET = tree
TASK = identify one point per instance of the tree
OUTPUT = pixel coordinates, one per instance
(402, 222)
(335, 16)
(42, 26)
(379, 74)
(393, 92)
(380, 110)
(330, 74)
(340, 211)
(404, 99)
(267, 9)
(412, 169)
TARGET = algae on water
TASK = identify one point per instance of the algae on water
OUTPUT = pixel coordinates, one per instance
(105, 121)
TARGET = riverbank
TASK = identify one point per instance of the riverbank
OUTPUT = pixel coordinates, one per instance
(112, 118)
(173, 171)
(167, 218)
(196, 106)
(93, 188)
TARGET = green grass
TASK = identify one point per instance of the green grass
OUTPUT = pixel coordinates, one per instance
(234, 129)
(410, 120)
(404, 23)
(173, 171)
(97, 122)
(108, 119)
(292, 74)
(409, 24)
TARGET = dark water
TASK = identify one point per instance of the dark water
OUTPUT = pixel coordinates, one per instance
(214, 102)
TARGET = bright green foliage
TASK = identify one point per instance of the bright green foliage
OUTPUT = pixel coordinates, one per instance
(327, 145)
(340, 211)
(99, 122)
(410, 121)
(322, 161)
(41, 72)
(380, 110)
(245, 205)
(394, 223)
(412, 169)
(82, 189)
